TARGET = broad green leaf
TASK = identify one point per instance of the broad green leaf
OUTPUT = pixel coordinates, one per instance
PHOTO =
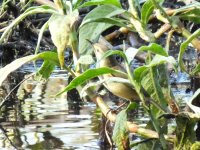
(152, 86)
(185, 133)
(92, 31)
(30, 11)
(101, 2)
(5, 71)
(61, 29)
(189, 12)
(87, 75)
(147, 10)
(112, 21)
(183, 48)
(120, 132)
(157, 60)
(192, 15)
(154, 48)
(46, 69)
(187, 8)
(138, 73)
(166, 88)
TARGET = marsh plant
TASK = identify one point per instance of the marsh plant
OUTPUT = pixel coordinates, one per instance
(155, 26)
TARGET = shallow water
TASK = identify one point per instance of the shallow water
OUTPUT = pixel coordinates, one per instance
(38, 121)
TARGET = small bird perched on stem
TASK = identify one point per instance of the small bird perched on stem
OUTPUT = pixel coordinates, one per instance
(123, 90)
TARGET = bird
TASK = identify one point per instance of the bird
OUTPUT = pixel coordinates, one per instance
(122, 90)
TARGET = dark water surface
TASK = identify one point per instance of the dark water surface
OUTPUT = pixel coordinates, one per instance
(40, 122)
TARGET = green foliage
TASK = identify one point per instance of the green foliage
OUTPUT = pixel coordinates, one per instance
(113, 21)
(185, 132)
(150, 80)
(92, 31)
(157, 60)
(120, 132)
(154, 48)
(29, 11)
(46, 69)
(101, 2)
(87, 75)
(48, 56)
(147, 10)
(183, 48)
(152, 86)
(61, 29)
(189, 12)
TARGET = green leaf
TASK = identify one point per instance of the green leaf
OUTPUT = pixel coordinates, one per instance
(190, 103)
(5, 71)
(189, 12)
(138, 73)
(132, 106)
(147, 10)
(92, 31)
(195, 70)
(112, 21)
(101, 2)
(30, 11)
(46, 69)
(120, 132)
(152, 86)
(157, 60)
(187, 8)
(183, 48)
(185, 133)
(60, 27)
(154, 48)
(192, 15)
(87, 75)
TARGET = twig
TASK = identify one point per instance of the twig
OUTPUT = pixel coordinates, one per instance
(170, 33)
(131, 126)
(5, 134)
(4, 100)
(162, 30)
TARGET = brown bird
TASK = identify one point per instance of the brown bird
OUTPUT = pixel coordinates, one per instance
(123, 90)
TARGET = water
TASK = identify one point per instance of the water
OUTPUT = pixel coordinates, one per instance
(39, 121)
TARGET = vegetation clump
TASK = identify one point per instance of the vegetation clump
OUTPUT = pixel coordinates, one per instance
(92, 30)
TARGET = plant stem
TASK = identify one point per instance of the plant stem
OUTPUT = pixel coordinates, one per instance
(156, 5)
(46, 2)
(133, 9)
